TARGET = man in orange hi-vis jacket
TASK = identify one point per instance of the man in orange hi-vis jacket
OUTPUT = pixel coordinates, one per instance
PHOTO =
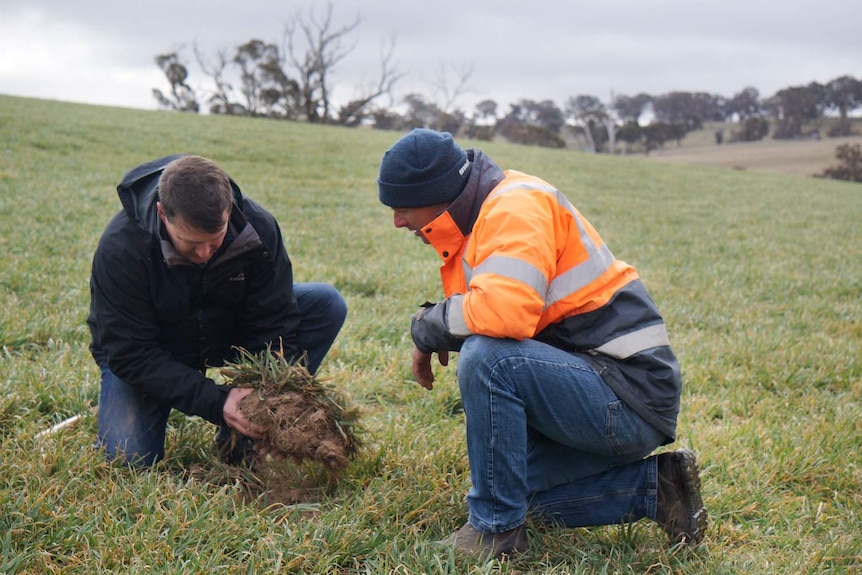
(565, 369)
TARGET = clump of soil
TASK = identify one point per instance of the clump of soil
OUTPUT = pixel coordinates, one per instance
(299, 426)
(303, 420)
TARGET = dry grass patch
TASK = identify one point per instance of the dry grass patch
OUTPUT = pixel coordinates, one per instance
(789, 157)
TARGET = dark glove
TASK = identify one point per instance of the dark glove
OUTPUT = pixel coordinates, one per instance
(430, 329)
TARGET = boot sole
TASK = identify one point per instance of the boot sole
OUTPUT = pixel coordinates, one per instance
(698, 518)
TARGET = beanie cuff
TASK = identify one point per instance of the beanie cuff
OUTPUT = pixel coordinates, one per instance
(441, 190)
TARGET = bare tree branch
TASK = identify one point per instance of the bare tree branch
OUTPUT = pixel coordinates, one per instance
(354, 111)
(450, 89)
(219, 100)
(323, 49)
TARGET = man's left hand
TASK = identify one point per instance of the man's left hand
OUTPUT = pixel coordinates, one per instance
(422, 366)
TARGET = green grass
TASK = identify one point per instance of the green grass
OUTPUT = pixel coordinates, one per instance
(759, 278)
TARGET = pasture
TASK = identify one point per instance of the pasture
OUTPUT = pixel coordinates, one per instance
(758, 276)
(797, 157)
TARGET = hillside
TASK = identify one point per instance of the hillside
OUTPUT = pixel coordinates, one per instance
(757, 276)
(793, 157)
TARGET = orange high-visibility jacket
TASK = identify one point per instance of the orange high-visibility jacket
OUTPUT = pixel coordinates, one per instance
(520, 261)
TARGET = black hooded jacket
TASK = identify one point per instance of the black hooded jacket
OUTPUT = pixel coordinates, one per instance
(158, 322)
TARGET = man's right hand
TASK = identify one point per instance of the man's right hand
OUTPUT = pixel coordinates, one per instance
(234, 418)
(422, 366)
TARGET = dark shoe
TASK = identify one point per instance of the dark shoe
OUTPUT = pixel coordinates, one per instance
(235, 449)
(679, 509)
(471, 541)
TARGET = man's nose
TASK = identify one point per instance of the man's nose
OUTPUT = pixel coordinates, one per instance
(205, 252)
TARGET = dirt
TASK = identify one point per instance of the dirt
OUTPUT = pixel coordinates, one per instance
(269, 482)
(309, 437)
(298, 426)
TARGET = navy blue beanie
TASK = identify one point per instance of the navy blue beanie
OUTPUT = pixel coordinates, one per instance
(421, 169)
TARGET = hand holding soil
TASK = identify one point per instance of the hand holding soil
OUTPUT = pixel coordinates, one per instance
(298, 417)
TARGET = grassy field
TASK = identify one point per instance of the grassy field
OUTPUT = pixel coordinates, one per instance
(759, 278)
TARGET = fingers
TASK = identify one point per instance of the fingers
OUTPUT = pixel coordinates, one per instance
(234, 417)
(422, 369)
(422, 366)
(443, 357)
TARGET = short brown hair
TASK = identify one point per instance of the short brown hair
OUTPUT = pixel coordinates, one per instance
(198, 191)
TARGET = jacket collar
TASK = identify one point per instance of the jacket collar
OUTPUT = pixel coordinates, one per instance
(451, 228)
(241, 238)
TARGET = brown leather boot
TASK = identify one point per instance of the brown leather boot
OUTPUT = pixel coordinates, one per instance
(471, 541)
(679, 507)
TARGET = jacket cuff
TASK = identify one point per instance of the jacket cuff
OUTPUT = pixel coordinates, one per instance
(211, 402)
(429, 328)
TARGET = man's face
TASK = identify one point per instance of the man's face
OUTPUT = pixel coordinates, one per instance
(193, 244)
(415, 219)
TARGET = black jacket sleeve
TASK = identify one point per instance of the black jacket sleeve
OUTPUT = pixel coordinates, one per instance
(125, 328)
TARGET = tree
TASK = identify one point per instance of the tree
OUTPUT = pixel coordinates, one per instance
(487, 110)
(843, 94)
(311, 48)
(483, 121)
(588, 114)
(324, 48)
(220, 99)
(533, 123)
(383, 119)
(267, 89)
(630, 108)
(354, 112)
(792, 107)
(657, 133)
(745, 104)
(448, 88)
(754, 129)
(630, 133)
(689, 109)
(530, 135)
(182, 96)
(420, 113)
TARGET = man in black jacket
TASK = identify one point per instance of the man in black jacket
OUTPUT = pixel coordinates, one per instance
(187, 272)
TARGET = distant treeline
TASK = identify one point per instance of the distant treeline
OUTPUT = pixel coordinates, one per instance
(292, 81)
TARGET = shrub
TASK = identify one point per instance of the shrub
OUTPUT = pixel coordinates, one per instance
(849, 167)
(754, 129)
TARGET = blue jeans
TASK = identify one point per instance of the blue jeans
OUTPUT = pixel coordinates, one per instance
(546, 435)
(133, 426)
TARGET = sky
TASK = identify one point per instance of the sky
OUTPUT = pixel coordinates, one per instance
(103, 52)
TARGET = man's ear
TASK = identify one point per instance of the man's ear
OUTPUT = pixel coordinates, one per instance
(161, 211)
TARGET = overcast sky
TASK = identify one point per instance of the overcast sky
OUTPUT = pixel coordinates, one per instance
(102, 52)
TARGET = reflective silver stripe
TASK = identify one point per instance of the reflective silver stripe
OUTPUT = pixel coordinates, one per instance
(457, 324)
(516, 269)
(579, 276)
(631, 343)
(533, 184)
(599, 259)
(589, 244)
(539, 187)
(468, 271)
